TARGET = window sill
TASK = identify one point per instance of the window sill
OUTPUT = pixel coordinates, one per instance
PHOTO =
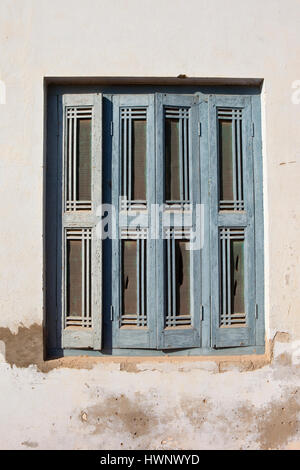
(196, 353)
(214, 361)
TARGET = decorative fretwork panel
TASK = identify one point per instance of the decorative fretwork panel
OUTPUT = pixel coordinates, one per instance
(177, 272)
(230, 159)
(78, 278)
(232, 308)
(78, 160)
(133, 233)
(177, 233)
(133, 157)
(177, 155)
(134, 278)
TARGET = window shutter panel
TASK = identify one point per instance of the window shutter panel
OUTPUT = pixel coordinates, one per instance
(178, 192)
(232, 222)
(133, 250)
(79, 262)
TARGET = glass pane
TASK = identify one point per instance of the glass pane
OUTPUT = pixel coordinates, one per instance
(84, 160)
(74, 277)
(182, 260)
(237, 275)
(139, 159)
(172, 169)
(129, 280)
(225, 160)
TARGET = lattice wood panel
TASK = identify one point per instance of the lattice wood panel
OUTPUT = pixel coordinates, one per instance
(78, 159)
(177, 277)
(134, 277)
(78, 278)
(230, 159)
(133, 157)
(232, 311)
(177, 155)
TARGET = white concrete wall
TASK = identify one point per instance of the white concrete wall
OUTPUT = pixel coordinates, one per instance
(199, 38)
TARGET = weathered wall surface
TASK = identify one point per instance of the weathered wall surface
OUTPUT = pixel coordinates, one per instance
(89, 403)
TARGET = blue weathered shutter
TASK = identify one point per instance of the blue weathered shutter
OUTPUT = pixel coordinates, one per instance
(232, 238)
(79, 249)
(178, 269)
(133, 250)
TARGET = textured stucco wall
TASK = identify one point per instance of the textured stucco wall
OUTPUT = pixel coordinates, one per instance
(183, 403)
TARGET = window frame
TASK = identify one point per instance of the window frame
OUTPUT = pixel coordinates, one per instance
(54, 129)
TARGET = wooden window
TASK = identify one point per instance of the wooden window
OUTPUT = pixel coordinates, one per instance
(232, 227)
(178, 192)
(74, 193)
(133, 193)
(156, 285)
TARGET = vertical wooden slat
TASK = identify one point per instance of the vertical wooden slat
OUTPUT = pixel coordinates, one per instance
(83, 288)
(186, 175)
(228, 266)
(234, 175)
(74, 176)
(169, 278)
(88, 277)
(259, 218)
(173, 280)
(138, 284)
(130, 193)
(188, 196)
(181, 158)
(125, 191)
(70, 158)
(224, 277)
(239, 161)
(143, 282)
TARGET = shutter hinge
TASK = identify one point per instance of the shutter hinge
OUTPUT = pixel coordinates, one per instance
(111, 313)
(111, 128)
(252, 130)
(202, 312)
(199, 129)
(256, 311)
